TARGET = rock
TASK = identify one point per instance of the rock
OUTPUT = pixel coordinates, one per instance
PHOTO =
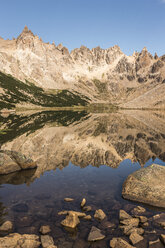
(83, 202)
(99, 214)
(160, 220)
(135, 238)
(133, 222)
(7, 165)
(127, 230)
(12, 161)
(95, 234)
(162, 238)
(107, 224)
(68, 199)
(156, 244)
(120, 243)
(146, 224)
(123, 215)
(79, 214)
(138, 210)
(88, 217)
(71, 220)
(16, 240)
(87, 208)
(47, 241)
(143, 219)
(63, 212)
(146, 185)
(21, 207)
(7, 226)
(45, 229)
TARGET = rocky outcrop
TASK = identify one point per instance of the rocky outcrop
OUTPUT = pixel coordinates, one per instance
(146, 185)
(12, 161)
(121, 79)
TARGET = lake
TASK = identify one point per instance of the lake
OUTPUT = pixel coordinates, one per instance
(79, 155)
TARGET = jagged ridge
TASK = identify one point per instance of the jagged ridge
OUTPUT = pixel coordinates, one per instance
(103, 75)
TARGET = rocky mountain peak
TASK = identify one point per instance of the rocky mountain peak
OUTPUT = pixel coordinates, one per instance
(26, 32)
(25, 39)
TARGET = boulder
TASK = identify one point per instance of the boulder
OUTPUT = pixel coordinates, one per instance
(146, 185)
(120, 243)
(12, 161)
(17, 240)
(95, 234)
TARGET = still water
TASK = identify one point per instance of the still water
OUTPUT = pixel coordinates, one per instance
(79, 155)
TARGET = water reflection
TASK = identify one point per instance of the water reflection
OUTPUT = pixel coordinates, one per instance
(96, 139)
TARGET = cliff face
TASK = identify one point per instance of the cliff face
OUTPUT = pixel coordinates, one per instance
(103, 75)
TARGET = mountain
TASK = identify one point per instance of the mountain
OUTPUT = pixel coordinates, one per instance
(102, 75)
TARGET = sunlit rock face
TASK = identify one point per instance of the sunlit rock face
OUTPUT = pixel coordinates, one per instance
(96, 139)
(104, 75)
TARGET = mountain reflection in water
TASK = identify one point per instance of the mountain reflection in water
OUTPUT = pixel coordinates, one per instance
(108, 146)
(55, 138)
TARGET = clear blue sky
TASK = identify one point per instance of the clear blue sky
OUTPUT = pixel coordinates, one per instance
(131, 24)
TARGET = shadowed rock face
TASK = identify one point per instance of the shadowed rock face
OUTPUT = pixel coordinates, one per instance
(103, 75)
(96, 140)
(146, 185)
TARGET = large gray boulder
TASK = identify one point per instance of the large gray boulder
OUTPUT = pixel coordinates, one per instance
(146, 185)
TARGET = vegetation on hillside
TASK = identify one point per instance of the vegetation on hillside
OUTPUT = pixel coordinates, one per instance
(13, 92)
(16, 125)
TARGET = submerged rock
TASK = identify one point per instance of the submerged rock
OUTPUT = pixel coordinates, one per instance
(95, 234)
(120, 243)
(146, 185)
(21, 207)
(47, 241)
(45, 229)
(156, 244)
(99, 214)
(17, 240)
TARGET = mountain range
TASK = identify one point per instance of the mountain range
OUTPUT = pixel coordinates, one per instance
(93, 75)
